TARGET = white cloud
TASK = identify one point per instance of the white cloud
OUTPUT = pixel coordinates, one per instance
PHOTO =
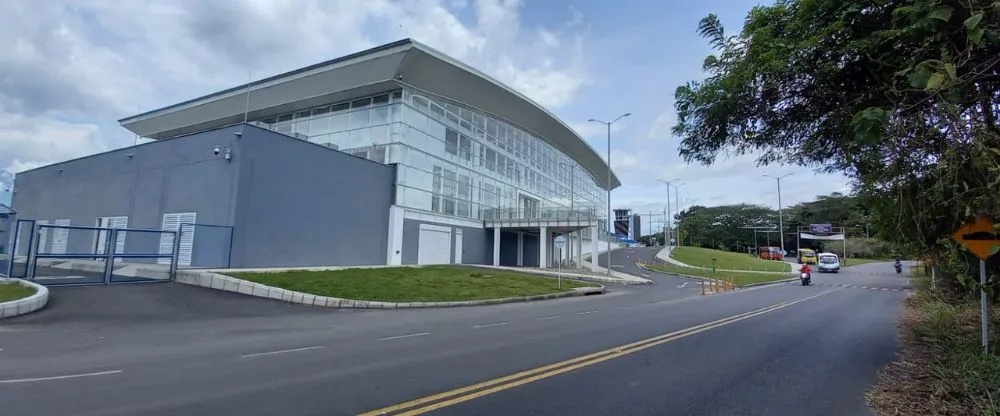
(72, 68)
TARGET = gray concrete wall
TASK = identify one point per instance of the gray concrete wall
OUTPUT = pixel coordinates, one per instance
(142, 182)
(476, 242)
(302, 204)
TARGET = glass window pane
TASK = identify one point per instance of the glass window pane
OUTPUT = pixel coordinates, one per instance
(451, 142)
(319, 126)
(339, 122)
(340, 107)
(380, 115)
(380, 134)
(380, 99)
(360, 118)
(362, 103)
(359, 138)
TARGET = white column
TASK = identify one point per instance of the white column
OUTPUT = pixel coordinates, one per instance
(579, 249)
(520, 249)
(496, 246)
(394, 250)
(593, 248)
(543, 248)
(569, 247)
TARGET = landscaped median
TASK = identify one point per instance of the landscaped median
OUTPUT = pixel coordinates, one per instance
(392, 287)
(726, 260)
(739, 278)
(18, 297)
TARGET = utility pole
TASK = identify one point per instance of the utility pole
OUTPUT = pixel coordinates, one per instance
(666, 212)
(781, 225)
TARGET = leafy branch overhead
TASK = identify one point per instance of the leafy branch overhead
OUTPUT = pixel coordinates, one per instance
(903, 96)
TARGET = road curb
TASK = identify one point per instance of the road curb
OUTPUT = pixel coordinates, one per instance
(225, 283)
(24, 305)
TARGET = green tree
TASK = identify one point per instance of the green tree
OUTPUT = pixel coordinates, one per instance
(901, 95)
(724, 227)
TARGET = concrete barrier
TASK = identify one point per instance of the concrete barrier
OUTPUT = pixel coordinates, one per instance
(24, 305)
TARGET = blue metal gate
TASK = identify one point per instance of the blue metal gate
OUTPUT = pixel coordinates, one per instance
(78, 255)
(8, 223)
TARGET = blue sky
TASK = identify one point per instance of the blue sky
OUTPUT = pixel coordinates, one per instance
(76, 67)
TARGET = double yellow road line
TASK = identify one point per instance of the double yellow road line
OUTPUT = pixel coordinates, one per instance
(452, 397)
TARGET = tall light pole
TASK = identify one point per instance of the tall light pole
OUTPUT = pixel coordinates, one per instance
(666, 212)
(611, 218)
(781, 225)
(677, 203)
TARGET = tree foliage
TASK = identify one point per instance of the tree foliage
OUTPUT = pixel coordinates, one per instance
(724, 227)
(901, 95)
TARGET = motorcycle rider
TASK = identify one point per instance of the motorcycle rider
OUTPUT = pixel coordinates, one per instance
(806, 269)
(898, 264)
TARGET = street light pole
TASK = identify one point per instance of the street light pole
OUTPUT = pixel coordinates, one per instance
(781, 225)
(677, 204)
(666, 212)
(611, 218)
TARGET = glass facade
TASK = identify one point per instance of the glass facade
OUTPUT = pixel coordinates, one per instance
(451, 160)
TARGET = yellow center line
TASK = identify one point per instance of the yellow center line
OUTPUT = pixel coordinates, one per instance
(524, 377)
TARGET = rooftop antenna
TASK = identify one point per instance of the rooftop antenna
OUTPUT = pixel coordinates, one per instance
(246, 107)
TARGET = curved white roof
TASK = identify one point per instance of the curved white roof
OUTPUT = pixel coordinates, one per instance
(403, 63)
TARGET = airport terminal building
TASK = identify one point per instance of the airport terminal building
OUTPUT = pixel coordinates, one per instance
(394, 155)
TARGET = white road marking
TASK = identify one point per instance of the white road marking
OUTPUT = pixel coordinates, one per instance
(682, 285)
(488, 325)
(420, 334)
(547, 317)
(617, 265)
(29, 380)
(645, 275)
(281, 351)
(586, 313)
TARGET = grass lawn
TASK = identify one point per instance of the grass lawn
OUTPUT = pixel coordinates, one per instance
(14, 291)
(414, 284)
(702, 257)
(741, 279)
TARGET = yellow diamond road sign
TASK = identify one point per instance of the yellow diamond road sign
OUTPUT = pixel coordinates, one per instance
(979, 236)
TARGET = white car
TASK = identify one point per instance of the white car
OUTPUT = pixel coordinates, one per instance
(828, 262)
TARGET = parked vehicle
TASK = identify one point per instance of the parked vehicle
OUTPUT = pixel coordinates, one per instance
(770, 253)
(807, 256)
(828, 262)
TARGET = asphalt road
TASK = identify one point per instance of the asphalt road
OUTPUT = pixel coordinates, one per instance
(168, 349)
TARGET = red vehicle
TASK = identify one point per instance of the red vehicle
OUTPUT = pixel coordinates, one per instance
(770, 253)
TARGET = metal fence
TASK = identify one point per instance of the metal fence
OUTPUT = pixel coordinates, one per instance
(8, 225)
(69, 254)
(545, 214)
(205, 246)
(21, 243)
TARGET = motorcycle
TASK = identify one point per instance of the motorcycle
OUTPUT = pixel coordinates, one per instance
(806, 278)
